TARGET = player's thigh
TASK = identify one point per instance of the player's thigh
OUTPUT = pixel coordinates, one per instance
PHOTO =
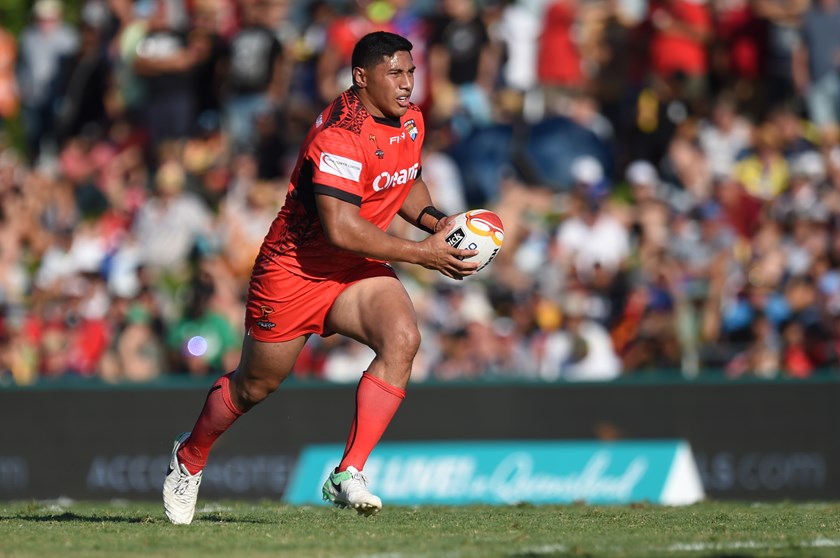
(378, 312)
(264, 366)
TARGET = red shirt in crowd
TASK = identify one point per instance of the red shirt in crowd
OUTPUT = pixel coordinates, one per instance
(671, 48)
(559, 60)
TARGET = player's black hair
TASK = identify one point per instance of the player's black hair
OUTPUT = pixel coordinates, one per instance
(373, 47)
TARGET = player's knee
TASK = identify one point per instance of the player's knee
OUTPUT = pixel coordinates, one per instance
(250, 392)
(403, 342)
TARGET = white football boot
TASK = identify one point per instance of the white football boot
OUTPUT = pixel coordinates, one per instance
(348, 489)
(180, 488)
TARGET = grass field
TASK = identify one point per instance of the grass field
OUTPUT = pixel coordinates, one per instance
(244, 530)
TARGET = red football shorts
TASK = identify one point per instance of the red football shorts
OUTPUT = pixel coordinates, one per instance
(283, 306)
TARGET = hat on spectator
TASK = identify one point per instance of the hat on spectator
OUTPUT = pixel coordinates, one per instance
(641, 173)
(588, 173)
(808, 164)
(47, 9)
(587, 170)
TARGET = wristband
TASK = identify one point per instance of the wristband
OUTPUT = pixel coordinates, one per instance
(434, 212)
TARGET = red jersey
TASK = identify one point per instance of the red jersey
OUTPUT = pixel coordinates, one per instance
(356, 157)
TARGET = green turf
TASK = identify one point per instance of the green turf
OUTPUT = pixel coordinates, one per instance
(247, 530)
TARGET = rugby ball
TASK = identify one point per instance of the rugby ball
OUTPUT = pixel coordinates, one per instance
(478, 229)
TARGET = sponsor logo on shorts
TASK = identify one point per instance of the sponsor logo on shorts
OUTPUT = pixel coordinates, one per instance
(263, 321)
(340, 166)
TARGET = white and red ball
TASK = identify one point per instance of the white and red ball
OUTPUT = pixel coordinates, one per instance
(478, 229)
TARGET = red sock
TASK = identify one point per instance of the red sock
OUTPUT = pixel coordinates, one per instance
(216, 417)
(376, 403)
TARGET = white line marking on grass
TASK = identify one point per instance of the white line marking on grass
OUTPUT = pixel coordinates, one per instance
(211, 508)
(528, 551)
(410, 555)
(751, 545)
(543, 549)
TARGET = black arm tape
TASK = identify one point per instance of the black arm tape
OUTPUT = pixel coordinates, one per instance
(434, 212)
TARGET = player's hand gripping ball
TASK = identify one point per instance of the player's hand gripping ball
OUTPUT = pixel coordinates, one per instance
(478, 229)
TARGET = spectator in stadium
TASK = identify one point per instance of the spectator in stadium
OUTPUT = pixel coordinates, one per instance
(44, 45)
(816, 62)
(518, 31)
(591, 237)
(655, 112)
(725, 135)
(619, 59)
(764, 171)
(170, 224)
(333, 72)
(136, 354)
(202, 341)
(209, 70)
(344, 360)
(463, 65)
(165, 60)
(14, 221)
(737, 48)
(560, 70)
(678, 32)
(310, 46)
(686, 163)
(321, 271)
(257, 80)
(797, 134)
(763, 354)
(782, 19)
(458, 359)
(244, 216)
(581, 350)
(9, 95)
(83, 83)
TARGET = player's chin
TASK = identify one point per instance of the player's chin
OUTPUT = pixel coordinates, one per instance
(398, 111)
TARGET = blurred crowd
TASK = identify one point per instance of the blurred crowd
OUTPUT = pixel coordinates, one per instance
(668, 172)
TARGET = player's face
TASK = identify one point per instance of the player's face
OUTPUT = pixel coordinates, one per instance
(388, 85)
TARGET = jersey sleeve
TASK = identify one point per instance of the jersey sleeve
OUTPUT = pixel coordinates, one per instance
(338, 165)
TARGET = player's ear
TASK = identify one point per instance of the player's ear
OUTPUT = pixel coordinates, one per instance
(359, 77)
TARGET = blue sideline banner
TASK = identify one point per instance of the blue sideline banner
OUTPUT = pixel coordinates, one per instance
(538, 472)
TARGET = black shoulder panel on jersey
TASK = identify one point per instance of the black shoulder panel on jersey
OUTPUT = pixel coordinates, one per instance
(348, 113)
(323, 190)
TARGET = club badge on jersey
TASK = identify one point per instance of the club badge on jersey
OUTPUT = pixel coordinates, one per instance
(411, 128)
